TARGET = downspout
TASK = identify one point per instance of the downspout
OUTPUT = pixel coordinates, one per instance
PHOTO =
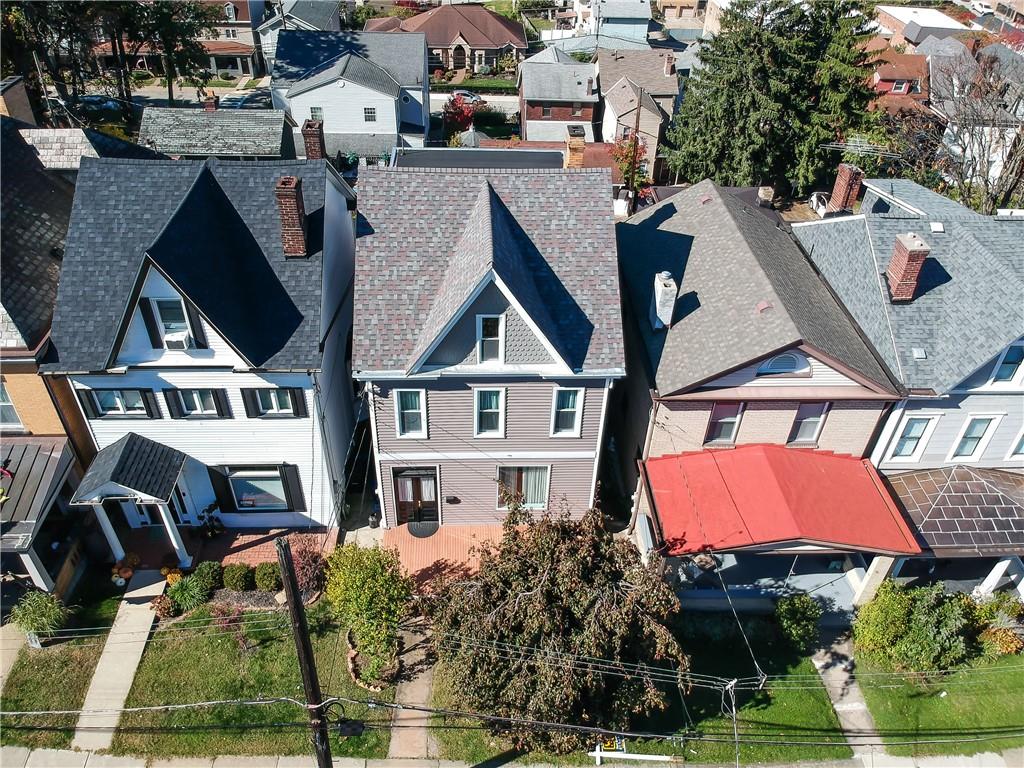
(885, 437)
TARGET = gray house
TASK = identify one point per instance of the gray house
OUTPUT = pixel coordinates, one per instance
(939, 291)
(236, 134)
(488, 335)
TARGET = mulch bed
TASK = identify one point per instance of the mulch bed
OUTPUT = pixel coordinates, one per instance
(246, 599)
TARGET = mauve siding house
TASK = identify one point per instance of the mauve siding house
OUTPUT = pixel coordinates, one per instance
(488, 334)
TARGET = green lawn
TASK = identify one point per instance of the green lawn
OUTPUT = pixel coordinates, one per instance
(212, 666)
(761, 714)
(58, 676)
(975, 701)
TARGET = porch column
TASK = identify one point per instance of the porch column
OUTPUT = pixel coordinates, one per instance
(881, 568)
(184, 558)
(1009, 567)
(36, 570)
(108, 532)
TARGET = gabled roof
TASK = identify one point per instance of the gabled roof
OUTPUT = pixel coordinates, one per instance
(968, 303)
(745, 291)
(250, 133)
(302, 54)
(62, 149)
(134, 462)
(428, 237)
(890, 65)
(34, 216)
(625, 95)
(478, 26)
(353, 68)
(213, 228)
(646, 68)
(623, 9)
(558, 81)
(550, 56)
(313, 14)
(767, 496)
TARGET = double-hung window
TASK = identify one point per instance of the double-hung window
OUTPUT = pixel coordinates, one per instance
(370, 114)
(545, 110)
(490, 413)
(198, 402)
(119, 402)
(912, 438)
(8, 414)
(316, 113)
(490, 343)
(810, 418)
(974, 438)
(173, 323)
(411, 413)
(529, 484)
(566, 412)
(724, 424)
(1009, 364)
(258, 489)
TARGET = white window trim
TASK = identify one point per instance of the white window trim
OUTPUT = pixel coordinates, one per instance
(189, 333)
(315, 117)
(821, 424)
(501, 413)
(366, 114)
(711, 418)
(202, 411)
(1010, 456)
(1018, 379)
(578, 426)
(897, 88)
(982, 443)
(276, 410)
(257, 473)
(119, 399)
(547, 485)
(420, 435)
(933, 420)
(803, 365)
(479, 340)
(19, 425)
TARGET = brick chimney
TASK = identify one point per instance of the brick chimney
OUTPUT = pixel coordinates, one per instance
(575, 146)
(904, 270)
(288, 192)
(846, 188)
(670, 65)
(590, 86)
(663, 301)
(313, 138)
(211, 101)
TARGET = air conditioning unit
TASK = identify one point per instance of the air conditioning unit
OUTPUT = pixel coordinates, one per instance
(179, 340)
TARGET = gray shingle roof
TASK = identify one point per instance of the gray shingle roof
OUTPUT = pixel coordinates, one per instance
(61, 149)
(135, 462)
(745, 291)
(316, 13)
(301, 53)
(351, 67)
(623, 97)
(558, 259)
(968, 305)
(250, 132)
(34, 216)
(214, 227)
(558, 82)
(623, 9)
(551, 56)
(646, 68)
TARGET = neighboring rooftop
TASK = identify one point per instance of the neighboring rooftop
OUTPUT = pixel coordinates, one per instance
(443, 25)
(221, 132)
(40, 466)
(194, 219)
(302, 54)
(479, 158)
(62, 149)
(595, 154)
(623, 9)
(744, 291)
(924, 17)
(646, 68)
(549, 234)
(316, 14)
(967, 306)
(353, 68)
(34, 216)
(625, 95)
(568, 81)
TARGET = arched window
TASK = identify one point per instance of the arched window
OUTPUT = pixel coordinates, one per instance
(786, 363)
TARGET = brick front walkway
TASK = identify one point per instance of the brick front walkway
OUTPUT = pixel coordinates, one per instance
(254, 546)
(446, 552)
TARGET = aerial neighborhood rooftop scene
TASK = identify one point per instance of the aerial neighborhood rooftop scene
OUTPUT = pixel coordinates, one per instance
(461, 383)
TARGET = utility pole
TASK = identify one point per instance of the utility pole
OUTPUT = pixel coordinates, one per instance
(45, 89)
(307, 663)
(633, 159)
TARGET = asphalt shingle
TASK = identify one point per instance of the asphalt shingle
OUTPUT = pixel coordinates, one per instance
(135, 462)
(302, 54)
(247, 133)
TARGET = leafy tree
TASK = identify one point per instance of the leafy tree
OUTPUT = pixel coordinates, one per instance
(779, 80)
(798, 616)
(552, 592)
(362, 14)
(630, 157)
(457, 114)
(175, 28)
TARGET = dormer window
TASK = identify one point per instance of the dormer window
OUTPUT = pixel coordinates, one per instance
(786, 364)
(173, 323)
(229, 11)
(490, 345)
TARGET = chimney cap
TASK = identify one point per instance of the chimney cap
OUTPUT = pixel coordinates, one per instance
(287, 182)
(665, 275)
(577, 132)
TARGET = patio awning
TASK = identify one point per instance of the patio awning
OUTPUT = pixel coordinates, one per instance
(38, 466)
(773, 498)
(134, 466)
(964, 511)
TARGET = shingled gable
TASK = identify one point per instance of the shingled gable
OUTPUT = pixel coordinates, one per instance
(487, 252)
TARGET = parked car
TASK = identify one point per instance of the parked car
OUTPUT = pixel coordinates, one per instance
(981, 8)
(469, 97)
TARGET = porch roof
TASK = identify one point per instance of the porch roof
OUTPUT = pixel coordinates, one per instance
(770, 496)
(135, 463)
(38, 468)
(964, 511)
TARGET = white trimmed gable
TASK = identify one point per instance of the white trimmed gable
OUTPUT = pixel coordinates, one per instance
(816, 373)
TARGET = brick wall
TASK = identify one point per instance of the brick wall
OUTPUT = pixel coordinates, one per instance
(849, 427)
(767, 421)
(561, 112)
(680, 426)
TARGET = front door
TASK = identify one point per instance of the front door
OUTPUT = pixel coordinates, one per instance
(459, 58)
(416, 495)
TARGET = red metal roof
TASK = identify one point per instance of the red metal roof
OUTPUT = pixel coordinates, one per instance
(757, 495)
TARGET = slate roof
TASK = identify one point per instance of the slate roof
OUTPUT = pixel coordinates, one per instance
(39, 466)
(964, 511)
(213, 227)
(968, 304)
(745, 291)
(646, 68)
(558, 260)
(61, 149)
(183, 131)
(353, 68)
(301, 54)
(135, 462)
(478, 26)
(34, 215)
(558, 82)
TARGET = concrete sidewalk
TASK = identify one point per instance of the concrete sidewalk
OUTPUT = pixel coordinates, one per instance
(410, 732)
(834, 662)
(115, 671)
(12, 640)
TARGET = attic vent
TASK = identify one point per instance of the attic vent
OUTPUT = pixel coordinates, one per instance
(919, 353)
(763, 306)
(937, 226)
(705, 199)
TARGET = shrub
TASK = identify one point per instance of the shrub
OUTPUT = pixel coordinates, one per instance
(173, 577)
(798, 617)
(268, 577)
(238, 577)
(369, 593)
(308, 557)
(483, 69)
(438, 74)
(880, 624)
(39, 613)
(210, 574)
(141, 75)
(225, 75)
(998, 606)
(1000, 641)
(164, 607)
(188, 594)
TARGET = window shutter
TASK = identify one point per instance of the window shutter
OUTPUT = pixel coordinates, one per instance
(196, 324)
(220, 396)
(156, 339)
(222, 488)
(88, 404)
(293, 488)
(173, 404)
(252, 408)
(152, 406)
(298, 396)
